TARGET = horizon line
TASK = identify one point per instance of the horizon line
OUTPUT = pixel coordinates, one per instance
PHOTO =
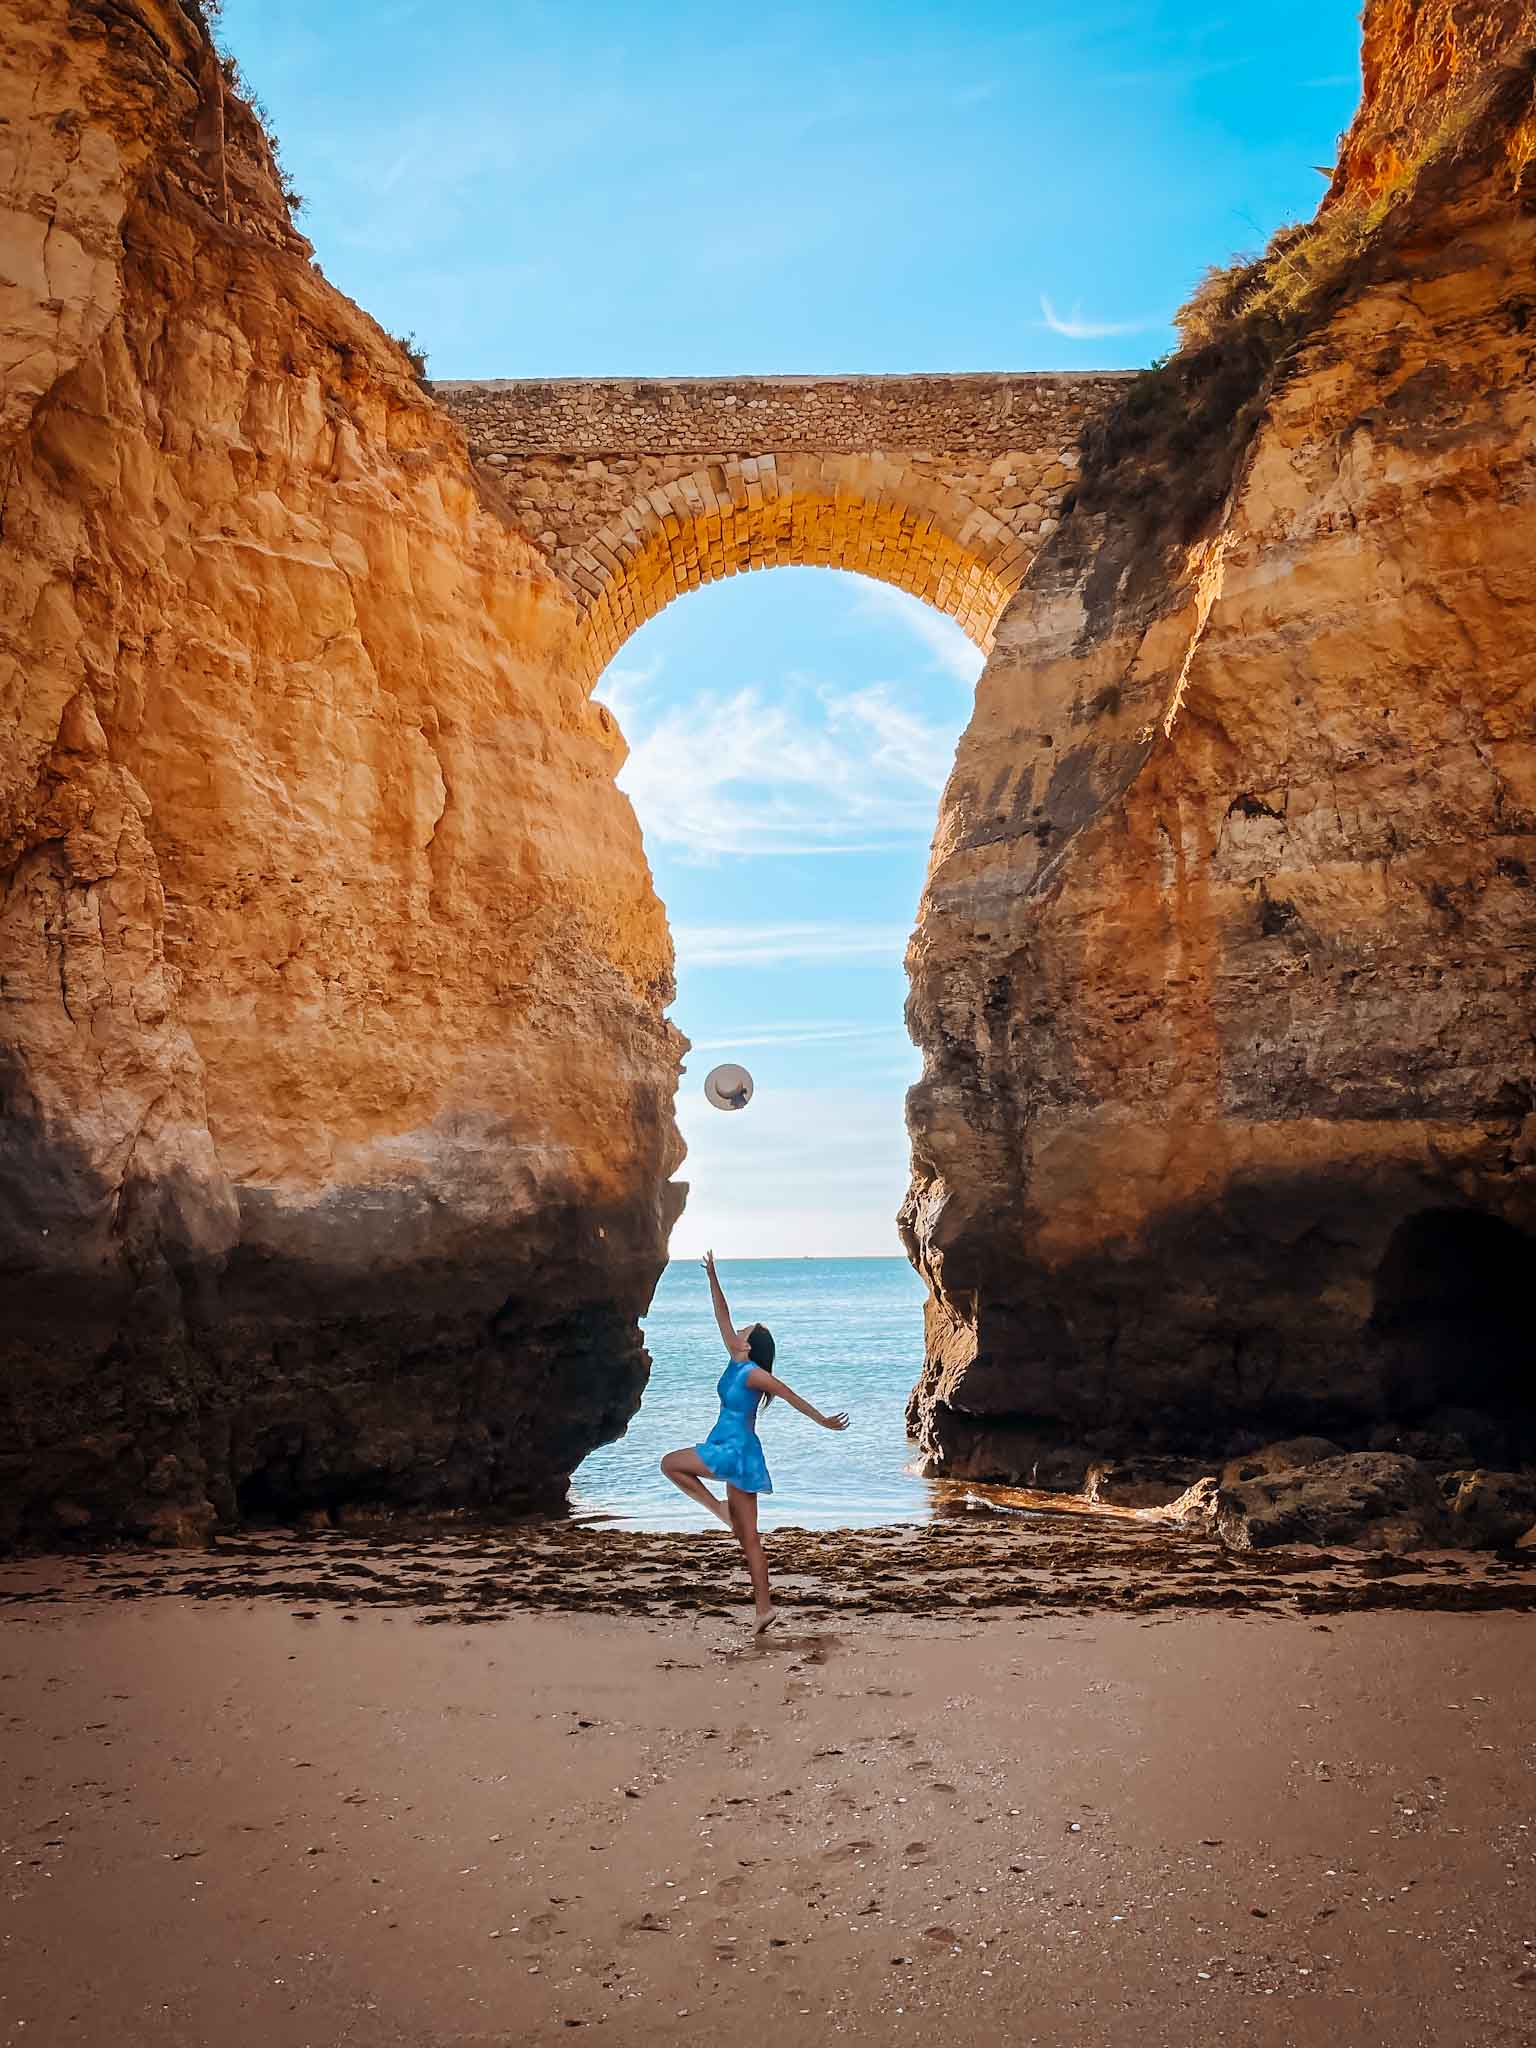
(776, 1258)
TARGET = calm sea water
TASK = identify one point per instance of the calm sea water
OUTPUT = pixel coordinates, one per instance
(849, 1335)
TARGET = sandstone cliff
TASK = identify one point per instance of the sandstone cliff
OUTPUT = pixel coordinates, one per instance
(1224, 971)
(336, 1090)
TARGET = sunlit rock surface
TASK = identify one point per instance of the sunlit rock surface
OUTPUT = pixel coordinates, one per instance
(1224, 972)
(336, 1089)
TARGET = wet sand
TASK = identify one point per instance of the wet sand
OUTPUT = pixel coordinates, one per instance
(1042, 1783)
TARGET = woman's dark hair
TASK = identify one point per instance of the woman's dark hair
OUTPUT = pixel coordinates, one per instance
(760, 1350)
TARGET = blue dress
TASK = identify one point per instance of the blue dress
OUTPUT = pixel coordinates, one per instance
(731, 1450)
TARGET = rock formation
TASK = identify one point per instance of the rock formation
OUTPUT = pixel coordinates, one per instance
(1374, 1500)
(335, 1090)
(1224, 970)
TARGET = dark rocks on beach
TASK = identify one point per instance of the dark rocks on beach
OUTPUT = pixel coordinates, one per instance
(1375, 1500)
(1286, 1456)
(1490, 1509)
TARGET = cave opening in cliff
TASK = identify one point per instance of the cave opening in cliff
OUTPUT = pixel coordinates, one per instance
(1453, 1313)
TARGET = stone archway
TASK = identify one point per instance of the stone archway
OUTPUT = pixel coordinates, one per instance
(837, 512)
(638, 491)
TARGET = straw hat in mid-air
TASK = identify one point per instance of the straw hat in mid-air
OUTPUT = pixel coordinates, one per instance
(728, 1087)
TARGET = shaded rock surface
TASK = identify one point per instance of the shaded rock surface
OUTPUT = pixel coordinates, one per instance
(1376, 1500)
(1491, 1509)
(1144, 1482)
(1373, 1500)
(1226, 963)
(335, 1090)
(1295, 1451)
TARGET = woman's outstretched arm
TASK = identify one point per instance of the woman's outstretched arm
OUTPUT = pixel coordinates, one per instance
(735, 1343)
(770, 1383)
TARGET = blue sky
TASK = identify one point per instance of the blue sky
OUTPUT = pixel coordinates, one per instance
(545, 190)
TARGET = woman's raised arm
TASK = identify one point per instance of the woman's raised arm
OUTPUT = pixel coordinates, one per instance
(734, 1343)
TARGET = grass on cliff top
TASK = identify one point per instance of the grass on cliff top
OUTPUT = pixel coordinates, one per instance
(414, 354)
(207, 14)
(1302, 259)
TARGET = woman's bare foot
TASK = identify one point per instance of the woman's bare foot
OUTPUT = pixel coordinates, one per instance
(765, 1621)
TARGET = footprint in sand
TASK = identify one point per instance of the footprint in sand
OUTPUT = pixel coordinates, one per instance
(846, 1851)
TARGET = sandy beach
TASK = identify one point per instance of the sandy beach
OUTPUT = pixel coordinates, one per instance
(322, 1791)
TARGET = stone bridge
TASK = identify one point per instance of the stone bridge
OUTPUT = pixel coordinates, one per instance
(638, 489)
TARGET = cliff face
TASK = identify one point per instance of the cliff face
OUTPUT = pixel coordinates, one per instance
(1224, 972)
(336, 1090)
(1422, 63)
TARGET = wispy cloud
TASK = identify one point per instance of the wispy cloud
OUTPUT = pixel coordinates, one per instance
(1177, 73)
(745, 775)
(951, 649)
(761, 945)
(1076, 328)
(896, 743)
(802, 1034)
(623, 689)
(406, 186)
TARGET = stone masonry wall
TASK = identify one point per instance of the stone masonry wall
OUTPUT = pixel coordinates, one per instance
(638, 489)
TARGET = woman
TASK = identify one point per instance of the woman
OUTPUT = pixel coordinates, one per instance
(731, 1451)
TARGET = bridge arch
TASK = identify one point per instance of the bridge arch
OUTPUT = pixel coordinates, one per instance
(882, 518)
(638, 490)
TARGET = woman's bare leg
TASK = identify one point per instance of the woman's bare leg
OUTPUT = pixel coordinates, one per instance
(688, 1471)
(743, 1507)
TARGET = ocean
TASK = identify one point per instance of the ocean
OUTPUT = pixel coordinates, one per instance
(849, 1334)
